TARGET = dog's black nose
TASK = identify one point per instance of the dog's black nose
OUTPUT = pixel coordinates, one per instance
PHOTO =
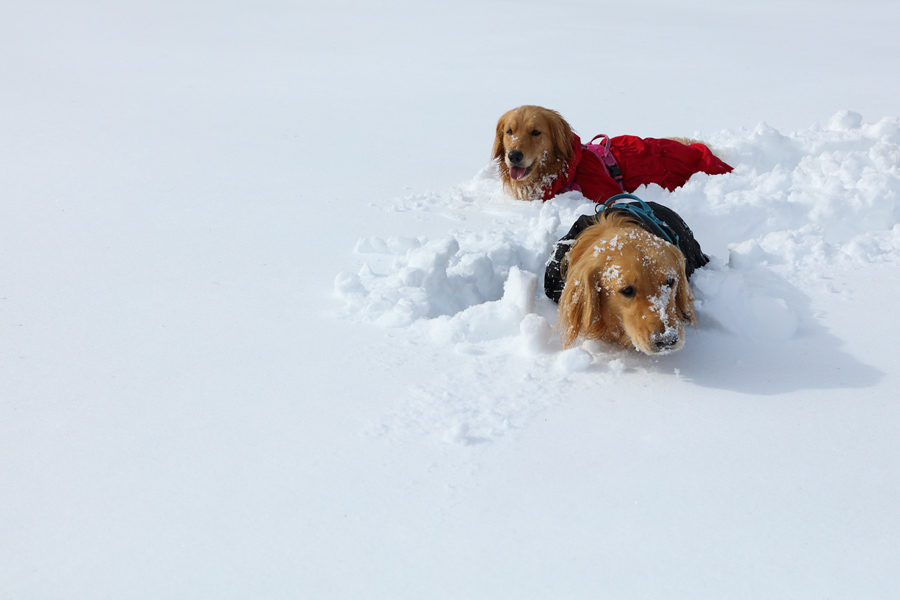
(515, 156)
(665, 341)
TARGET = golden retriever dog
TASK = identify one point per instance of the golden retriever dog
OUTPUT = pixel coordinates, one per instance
(532, 145)
(625, 285)
(539, 156)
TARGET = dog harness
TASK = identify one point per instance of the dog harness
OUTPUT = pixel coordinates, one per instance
(654, 218)
(605, 156)
(644, 214)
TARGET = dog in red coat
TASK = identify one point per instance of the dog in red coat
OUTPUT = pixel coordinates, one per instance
(540, 156)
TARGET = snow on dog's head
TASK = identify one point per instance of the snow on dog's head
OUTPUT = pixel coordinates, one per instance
(625, 285)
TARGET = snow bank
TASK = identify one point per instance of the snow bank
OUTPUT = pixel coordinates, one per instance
(795, 205)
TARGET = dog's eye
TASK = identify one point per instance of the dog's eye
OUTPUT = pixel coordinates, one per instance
(535, 132)
(670, 282)
(509, 132)
(628, 292)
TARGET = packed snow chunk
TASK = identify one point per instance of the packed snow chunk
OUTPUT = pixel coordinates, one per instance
(845, 120)
(574, 360)
(886, 130)
(536, 334)
(350, 288)
(747, 254)
(347, 284)
(519, 291)
(477, 270)
(458, 434)
(617, 366)
(767, 148)
(428, 267)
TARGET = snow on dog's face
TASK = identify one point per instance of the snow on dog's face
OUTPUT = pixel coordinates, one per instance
(625, 285)
(531, 145)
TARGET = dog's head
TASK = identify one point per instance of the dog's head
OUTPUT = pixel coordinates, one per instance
(531, 143)
(626, 285)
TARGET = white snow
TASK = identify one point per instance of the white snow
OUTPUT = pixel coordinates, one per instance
(270, 327)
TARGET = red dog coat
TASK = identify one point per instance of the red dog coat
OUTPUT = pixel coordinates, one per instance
(642, 161)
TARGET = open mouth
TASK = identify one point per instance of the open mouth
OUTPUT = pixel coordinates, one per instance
(519, 173)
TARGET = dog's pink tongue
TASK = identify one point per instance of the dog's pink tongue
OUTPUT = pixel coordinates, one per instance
(517, 173)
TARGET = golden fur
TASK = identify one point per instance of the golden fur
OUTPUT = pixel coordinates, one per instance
(532, 145)
(625, 285)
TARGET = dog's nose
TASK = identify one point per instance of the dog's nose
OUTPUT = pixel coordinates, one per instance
(515, 156)
(666, 340)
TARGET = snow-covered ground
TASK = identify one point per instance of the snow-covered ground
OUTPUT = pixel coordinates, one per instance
(269, 327)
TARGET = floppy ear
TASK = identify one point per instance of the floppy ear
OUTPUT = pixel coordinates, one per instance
(561, 134)
(498, 151)
(684, 296)
(580, 305)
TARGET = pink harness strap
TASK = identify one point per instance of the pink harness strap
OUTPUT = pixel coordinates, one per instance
(606, 157)
(604, 154)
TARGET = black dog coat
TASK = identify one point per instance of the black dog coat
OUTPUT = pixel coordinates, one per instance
(673, 226)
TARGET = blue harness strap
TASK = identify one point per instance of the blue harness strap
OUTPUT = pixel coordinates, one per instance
(643, 212)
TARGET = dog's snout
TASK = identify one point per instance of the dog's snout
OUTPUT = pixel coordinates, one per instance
(515, 156)
(666, 340)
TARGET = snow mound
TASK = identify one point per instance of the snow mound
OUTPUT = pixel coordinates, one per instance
(795, 205)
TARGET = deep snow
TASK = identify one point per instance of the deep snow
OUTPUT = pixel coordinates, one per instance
(796, 208)
(269, 327)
